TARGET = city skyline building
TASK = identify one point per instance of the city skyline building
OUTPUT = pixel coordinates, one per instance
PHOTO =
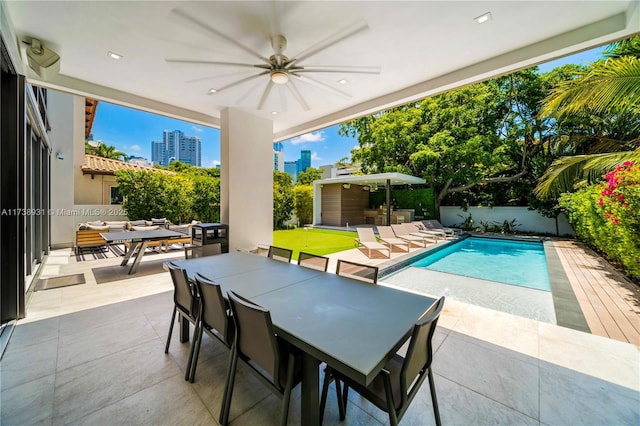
(175, 146)
(305, 160)
(291, 167)
(278, 156)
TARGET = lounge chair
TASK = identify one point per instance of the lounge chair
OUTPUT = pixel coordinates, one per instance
(404, 234)
(388, 237)
(434, 224)
(434, 234)
(367, 238)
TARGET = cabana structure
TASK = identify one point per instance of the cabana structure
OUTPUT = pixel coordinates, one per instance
(343, 201)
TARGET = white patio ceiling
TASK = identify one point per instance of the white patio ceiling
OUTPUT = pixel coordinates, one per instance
(421, 47)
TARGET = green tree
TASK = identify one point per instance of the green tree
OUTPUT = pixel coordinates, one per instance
(282, 198)
(308, 176)
(205, 197)
(452, 140)
(609, 91)
(303, 202)
(105, 151)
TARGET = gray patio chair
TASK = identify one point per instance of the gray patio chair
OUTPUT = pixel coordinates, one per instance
(280, 254)
(357, 271)
(214, 318)
(195, 252)
(274, 362)
(393, 389)
(313, 261)
(186, 303)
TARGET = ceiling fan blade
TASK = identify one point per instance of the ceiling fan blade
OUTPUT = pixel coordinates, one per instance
(321, 85)
(341, 70)
(243, 80)
(228, 64)
(296, 94)
(194, 22)
(265, 94)
(336, 38)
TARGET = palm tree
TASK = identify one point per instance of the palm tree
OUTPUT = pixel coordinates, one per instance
(608, 87)
(106, 151)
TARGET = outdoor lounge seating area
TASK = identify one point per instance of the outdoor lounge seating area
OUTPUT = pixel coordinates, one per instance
(88, 235)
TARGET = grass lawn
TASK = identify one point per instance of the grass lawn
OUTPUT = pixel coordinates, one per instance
(314, 241)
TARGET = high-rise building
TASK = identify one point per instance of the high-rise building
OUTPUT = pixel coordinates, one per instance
(305, 160)
(278, 156)
(176, 146)
(158, 153)
(291, 167)
(189, 150)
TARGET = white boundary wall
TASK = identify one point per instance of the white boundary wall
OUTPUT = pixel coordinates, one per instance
(529, 220)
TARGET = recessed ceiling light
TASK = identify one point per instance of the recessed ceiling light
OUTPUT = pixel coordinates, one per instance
(212, 91)
(485, 17)
(114, 55)
(274, 112)
(343, 81)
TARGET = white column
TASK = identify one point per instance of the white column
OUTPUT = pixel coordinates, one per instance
(66, 116)
(246, 186)
(317, 203)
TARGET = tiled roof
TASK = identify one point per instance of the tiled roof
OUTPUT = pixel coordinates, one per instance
(94, 165)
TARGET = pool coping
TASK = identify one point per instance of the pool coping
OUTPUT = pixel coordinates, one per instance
(565, 304)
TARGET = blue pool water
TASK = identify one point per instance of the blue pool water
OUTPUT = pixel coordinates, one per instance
(520, 263)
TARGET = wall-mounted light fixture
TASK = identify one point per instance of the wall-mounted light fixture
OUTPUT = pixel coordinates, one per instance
(346, 185)
(365, 188)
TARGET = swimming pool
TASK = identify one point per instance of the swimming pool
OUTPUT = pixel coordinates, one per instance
(454, 270)
(521, 263)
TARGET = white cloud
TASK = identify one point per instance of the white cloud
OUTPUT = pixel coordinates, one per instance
(315, 157)
(197, 129)
(309, 137)
(136, 148)
(215, 163)
(356, 146)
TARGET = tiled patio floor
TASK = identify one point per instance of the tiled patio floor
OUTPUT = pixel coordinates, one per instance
(93, 354)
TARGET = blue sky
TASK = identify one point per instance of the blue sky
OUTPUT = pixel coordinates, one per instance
(132, 131)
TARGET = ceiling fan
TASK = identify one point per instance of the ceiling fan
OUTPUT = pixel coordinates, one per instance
(280, 69)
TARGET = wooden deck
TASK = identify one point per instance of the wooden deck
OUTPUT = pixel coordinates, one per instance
(609, 301)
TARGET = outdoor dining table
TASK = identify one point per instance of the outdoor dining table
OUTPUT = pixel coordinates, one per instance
(354, 327)
(139, 240)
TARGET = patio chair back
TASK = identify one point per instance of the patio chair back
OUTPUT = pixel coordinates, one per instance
(386, 232)
(258, 346)
(185, 302)
(195, 252)
(184, 295)
(357, 271)
(214, 318)
(313, 261)
(280, 254)
(366, 235)
(215, 310)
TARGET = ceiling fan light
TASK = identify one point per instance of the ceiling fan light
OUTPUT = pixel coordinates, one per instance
(279, 77)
